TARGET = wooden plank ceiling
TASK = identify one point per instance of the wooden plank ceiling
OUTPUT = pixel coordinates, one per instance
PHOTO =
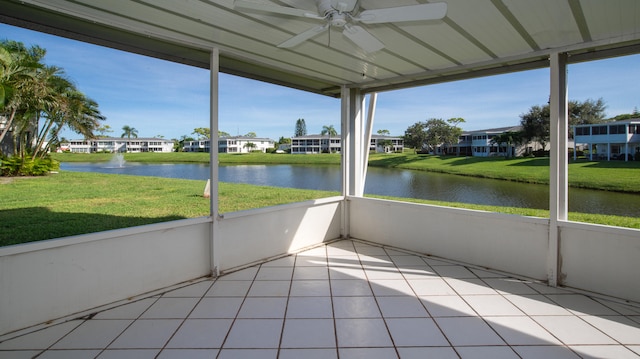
(475, 38)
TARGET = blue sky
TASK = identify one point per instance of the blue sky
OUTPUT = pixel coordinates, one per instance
(162, 98)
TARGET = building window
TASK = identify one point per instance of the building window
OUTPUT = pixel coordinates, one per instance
(616, 129)
(599, 130)
(583, 131)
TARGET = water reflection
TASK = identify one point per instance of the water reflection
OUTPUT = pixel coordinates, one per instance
(388, 182)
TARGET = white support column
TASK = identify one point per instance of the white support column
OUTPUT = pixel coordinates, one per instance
(352, 122)
(345, 162)
(371, 113)
(213, 158)
(351, 113)
(558, 198)
(626, 151)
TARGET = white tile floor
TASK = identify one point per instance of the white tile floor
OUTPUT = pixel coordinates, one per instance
(349, 299)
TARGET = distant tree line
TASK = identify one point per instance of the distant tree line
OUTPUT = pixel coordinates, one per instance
(427, 135)
(535, 123)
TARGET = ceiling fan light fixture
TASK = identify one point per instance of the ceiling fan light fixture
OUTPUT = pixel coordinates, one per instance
(338, 19)
(339, 15)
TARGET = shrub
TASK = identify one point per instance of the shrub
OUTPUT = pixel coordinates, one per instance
(16, 166)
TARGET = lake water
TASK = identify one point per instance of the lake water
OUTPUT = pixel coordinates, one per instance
(388, 182)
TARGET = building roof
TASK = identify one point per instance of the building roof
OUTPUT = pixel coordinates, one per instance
(495, 130)
(140, 139)
(315, 136)
(619, 122)
(475, 38)
(245, 138)
(338, 136)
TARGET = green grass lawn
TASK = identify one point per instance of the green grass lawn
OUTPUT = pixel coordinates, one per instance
(71, 203)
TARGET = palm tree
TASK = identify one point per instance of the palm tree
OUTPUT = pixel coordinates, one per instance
(44, 95)
(330, 131)
(129, 132)
(81, 115)
(509, 139)
(63, 105)
(250, 146)
(18, 69)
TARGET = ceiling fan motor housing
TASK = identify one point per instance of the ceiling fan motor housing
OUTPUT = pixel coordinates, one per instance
(325, 7)
(335, 15)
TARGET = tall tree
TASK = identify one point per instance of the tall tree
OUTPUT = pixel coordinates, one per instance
(328, 130)
(179, 144)
(455, 121)
(415, 136)
(283, 140)
(19, 69)
(535, 124)
(251, 134)
(223, 134)
(73, 110)
(584, 113)
(250, 146)
(31, 92)
(128, 132)
(384, 132)
(104, 130)
(202, 132)
(430, 134)
(440, 132)
(587, 112)
(301, 128)
(508, 139)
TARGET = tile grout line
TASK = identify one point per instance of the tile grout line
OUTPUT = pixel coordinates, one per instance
(481, 317)
(184, 320)
(286, 307)
(128, 326)
(233, 322)
(62, 337)
(565, 345)
(375, 298)
(419, 300)
(333, 308)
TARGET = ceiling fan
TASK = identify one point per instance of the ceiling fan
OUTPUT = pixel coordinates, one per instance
(340, 13)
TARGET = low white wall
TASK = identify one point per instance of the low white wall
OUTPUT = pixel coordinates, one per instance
(55, 278)
(601, 259)
(508, 243)
(248, 236)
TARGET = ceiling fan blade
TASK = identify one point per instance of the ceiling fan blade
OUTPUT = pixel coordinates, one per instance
(420, 12)
(303, 36)
(363, 39)
(283, 10)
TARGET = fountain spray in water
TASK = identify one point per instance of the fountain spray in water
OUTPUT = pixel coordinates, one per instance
(117, 161)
